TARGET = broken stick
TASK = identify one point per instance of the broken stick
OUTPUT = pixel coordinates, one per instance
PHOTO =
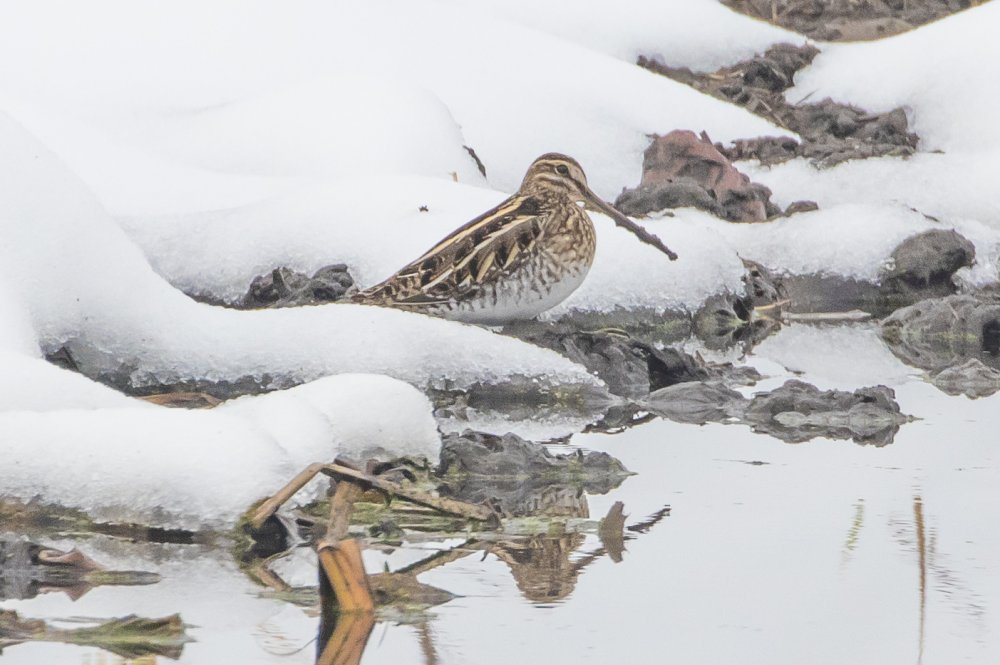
(449, 506)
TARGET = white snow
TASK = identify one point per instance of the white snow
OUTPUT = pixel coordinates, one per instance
(702, 35)
(945, 76)
(945, 73)
(16, 332)
(134, 462)
(275, 74)
(90, 288)
(851, 240)
(626, 273)
(33, 384)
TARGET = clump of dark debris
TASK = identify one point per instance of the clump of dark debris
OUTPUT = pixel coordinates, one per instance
(630, 366)
(925, 264)
(849, 20)
(831, 132)
(939, 333)
(973, 378)
(799, 411)
(522, 477)
(795, 412)
(284, 287)
(729, 319)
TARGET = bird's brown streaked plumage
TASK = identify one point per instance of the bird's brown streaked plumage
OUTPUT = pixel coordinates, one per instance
(512, 262)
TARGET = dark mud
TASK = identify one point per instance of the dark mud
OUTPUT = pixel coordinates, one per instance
(521, 477)
(831, 132)
(284, 287)
(924, 265)
(697, 403)
(798, 412)
(629, 366)
(794, 413)
(955, 338)
(972, 378)
(743, 319)
(129, 637)
(849, 20)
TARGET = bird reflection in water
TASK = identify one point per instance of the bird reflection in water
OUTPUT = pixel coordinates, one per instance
(545, 568)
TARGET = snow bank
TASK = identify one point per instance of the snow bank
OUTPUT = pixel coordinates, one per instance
(217, 254)
(126, 176)
(945, 75)
(348, 410)
(134, 462)
(702, 35)
(34, 384)
(329, 88)
(304, 134)
(629, 274)
(17, 335)
(89, 288)
(947, 186)
(291, 132)
(80, 283)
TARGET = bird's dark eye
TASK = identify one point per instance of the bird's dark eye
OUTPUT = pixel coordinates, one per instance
(562, 169)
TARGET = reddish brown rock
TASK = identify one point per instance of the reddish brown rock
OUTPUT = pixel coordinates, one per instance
(682, 169)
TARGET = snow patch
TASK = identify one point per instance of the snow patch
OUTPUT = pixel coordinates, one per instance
(87, 287)
(179, 468)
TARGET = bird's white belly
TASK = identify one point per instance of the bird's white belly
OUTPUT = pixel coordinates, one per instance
(516, 302)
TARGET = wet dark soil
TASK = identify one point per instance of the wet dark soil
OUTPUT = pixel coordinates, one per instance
(284, 287)
(971, 378)
(849, 20)
(926, 263)
(944, 333)
(630, 366)
(521, 477)
(830, 132)
(795, 412)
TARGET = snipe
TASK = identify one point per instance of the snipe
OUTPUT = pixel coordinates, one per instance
(514, 261)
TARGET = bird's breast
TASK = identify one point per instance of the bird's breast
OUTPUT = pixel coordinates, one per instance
(552, 273)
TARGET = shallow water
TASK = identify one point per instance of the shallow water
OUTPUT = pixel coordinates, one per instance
(819, 552)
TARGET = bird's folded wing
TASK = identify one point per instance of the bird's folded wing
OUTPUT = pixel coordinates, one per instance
(485, 249)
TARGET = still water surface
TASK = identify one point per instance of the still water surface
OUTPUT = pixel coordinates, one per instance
(819, 552)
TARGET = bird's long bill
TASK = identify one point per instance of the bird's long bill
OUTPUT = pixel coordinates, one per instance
(626, 223)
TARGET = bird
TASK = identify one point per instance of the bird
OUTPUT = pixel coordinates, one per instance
(513, 262)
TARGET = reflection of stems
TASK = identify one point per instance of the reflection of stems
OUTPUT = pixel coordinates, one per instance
(427, 644)
(856, 524)
(346, 643)
(918, 520)
(440, 558)
(641, 527)
(651, 521)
